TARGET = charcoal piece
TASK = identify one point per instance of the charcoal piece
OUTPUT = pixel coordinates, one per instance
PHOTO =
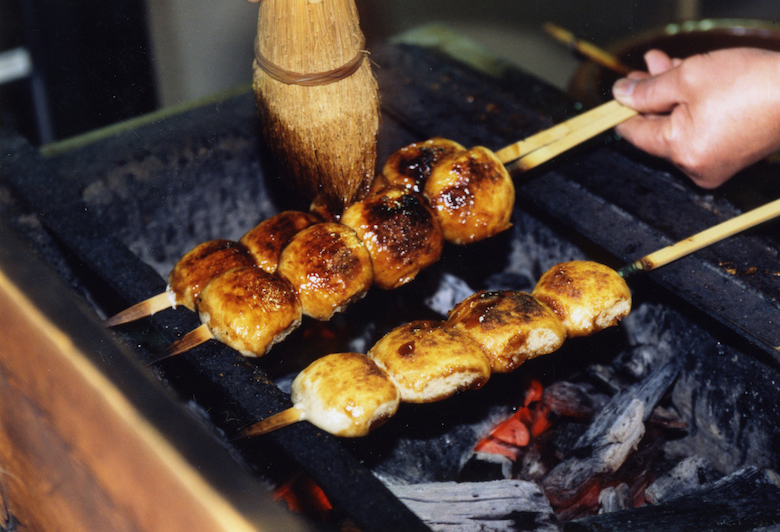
(731, 405)
(479, 506)
(689, 475)
(564, 436)
(570, 399)
(648, 393)
(419, 451)
(532, 465)
(612, 436)
(615, 498)
(482, 467)
(648, 330)
(566, 480)
(744, 500)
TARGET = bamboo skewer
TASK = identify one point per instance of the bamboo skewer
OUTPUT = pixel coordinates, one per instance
(192, 339)
(709, 236)
(591, 51)
(275, 422)
(543, 146)
(142, 309)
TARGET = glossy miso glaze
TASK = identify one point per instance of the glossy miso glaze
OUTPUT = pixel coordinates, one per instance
(204, 262)
(400, 231)
(329, 267)
(586, 296)
(249, 309)
(472, 195)
(411, 166)
(511, 327)
(430, 361)
(266, 240)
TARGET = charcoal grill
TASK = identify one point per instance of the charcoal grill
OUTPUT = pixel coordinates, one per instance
(116, 212)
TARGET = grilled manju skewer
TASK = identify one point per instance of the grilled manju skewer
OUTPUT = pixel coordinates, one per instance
(430, 361)
(398, 226)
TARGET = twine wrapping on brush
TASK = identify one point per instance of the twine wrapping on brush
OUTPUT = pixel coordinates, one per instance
(313, 79)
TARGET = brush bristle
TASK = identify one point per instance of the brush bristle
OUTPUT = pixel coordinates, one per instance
(325, 135)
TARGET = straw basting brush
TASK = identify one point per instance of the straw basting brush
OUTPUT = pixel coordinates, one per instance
(317, 96)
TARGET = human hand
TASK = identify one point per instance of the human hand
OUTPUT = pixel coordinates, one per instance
(711, 114)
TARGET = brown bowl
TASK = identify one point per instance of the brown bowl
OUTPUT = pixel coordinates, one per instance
(592, 83)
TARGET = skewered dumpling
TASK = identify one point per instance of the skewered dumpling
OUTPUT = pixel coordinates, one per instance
(400, 231)
(249, 309)
(430, 361)
(200, 265)
(268, 238)
(511, 327)
(346, 394)
(329, 267)
(586, 296)
(411, 166)
(472, 195)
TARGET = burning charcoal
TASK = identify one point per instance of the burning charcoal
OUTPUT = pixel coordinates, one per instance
(647, 331)
(532, 465)
(687, 476)
(566, 481)
(570, 399)
(730, 403)
(564, 437)
(606, 377)
(616, 498)
(479, 506)
(647, 393)
(744, 500)
(614, 433)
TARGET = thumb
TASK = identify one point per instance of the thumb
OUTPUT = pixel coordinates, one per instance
(654, 95)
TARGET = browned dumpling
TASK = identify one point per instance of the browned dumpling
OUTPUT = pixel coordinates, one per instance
(249, 309)
(586, 296)
(329, 267)
(430, 361)
(511, 327)
(411, 166)
(267, 239)
(200, 265)
(472, 195)
(345, 394)
(321, 209)
(400, 231)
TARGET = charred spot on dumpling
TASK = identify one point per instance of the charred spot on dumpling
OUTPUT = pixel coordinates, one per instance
(400, 231)
(411, 166)
(329, 266)
(430, 360)
(472, 195)
(201, 264)
(586, 296)
(511, 327)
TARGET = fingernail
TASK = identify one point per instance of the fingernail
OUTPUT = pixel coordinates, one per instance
(623, 88)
